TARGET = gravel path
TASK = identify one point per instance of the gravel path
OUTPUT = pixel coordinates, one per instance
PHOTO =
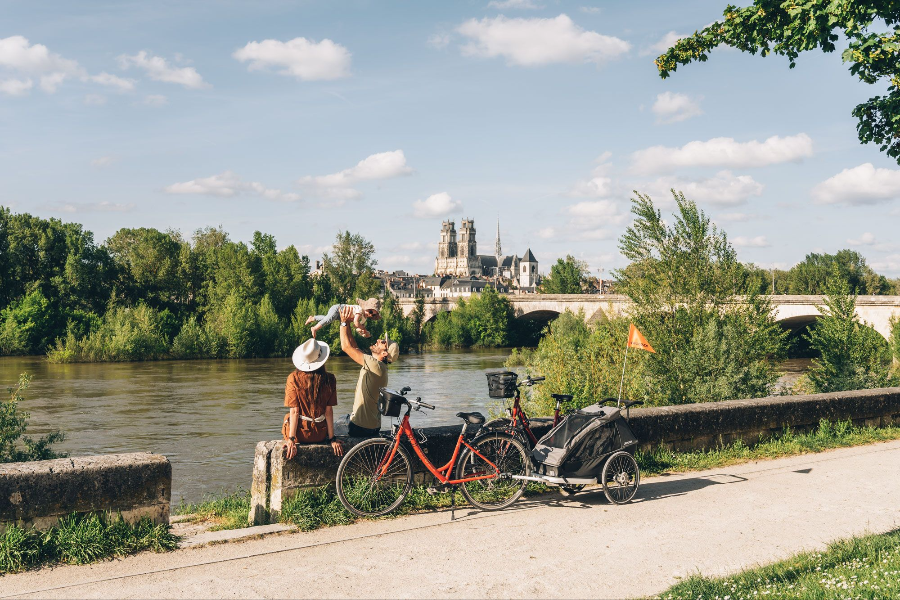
(714, 522)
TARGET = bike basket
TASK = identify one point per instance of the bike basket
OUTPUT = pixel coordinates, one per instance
(502, 384)
(390, 403)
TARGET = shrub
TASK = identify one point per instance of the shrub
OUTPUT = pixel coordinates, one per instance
(125, 334)
(15, 446)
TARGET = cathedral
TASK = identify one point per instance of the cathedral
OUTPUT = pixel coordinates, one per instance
(461, 258)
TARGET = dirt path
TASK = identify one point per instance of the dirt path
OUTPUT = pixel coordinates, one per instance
(714, 521)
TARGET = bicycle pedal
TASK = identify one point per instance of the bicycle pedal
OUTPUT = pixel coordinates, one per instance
(434, 490)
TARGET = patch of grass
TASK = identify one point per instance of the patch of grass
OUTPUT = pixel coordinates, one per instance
(80, 539)
(228, 511)
(863, 567)
(828, 435)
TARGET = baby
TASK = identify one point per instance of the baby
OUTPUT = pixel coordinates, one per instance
(366, 309)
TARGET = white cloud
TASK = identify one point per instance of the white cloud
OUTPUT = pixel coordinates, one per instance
(103, 161)
(866, 239)
(94, 99)
(228, 185)
(439, 40)
(158, 69)
(547, 233)
(723, 189)
(664, 43)
(597, 187)
(674, 108)
(750, 242)
(155, 100)
(590, 9)
(436, 205)
(107, 79)
(521, 4)
(16, 87)
(18, 54)
(723, 152)
(591, 214)
(537, 42)
(858, 186)
(889, 265)
(304, 59)
(383, 165)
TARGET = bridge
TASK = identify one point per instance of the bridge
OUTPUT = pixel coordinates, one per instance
(793, 312)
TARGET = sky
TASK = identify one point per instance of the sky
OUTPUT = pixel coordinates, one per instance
(305, 118)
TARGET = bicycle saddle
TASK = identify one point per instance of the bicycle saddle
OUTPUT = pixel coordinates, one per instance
(473, 418)
(563, 397)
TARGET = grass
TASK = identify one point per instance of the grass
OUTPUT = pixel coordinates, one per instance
(229, 511)
(827, 436)
(80, 539)
(863, 567)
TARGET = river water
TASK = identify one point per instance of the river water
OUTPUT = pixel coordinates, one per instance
(206, 416)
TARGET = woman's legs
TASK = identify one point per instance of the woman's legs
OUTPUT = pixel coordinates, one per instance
(324, 320)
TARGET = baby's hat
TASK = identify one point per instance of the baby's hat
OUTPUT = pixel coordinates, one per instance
(371, 303)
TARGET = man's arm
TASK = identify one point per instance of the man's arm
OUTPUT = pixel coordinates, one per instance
(348, 343)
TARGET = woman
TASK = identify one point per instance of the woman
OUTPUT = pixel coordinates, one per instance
(311, 394)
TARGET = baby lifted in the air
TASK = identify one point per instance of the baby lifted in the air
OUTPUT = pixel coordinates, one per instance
(366, 309)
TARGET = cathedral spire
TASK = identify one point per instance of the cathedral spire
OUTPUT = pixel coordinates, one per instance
(497, 251)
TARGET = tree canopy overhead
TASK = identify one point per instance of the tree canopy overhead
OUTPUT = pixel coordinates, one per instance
(795, 26)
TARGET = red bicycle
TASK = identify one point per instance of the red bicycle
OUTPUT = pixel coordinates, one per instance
(516, 422)
(376, 476)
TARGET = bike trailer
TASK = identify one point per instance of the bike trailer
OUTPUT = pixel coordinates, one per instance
(575, 450)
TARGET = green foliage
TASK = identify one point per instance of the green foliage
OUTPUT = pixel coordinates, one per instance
(789, 28)
(484, 321)
(81, 539)
(226, 511)
(349, 268)
(682, 280)
(566, 277)
(863, 567)
(15, 446)
(124, 334)
(853, 356)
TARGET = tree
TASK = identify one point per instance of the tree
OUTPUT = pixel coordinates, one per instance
(149, 267)
(566, 277)
(789, 28)
(350, 265)
(682, 279)
(813, 274)
(417, 319)
(853, 356)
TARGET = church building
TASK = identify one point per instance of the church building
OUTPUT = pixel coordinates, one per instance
(461, 259)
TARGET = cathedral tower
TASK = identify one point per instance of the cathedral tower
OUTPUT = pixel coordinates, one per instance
(447, 246)
(467, 246)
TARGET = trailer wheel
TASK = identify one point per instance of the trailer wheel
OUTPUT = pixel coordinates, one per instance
(621, 477)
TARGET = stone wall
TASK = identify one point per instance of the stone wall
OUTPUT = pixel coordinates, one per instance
(39, 493)
(685, 427)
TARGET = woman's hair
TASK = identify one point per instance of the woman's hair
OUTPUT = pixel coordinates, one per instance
(317, 379)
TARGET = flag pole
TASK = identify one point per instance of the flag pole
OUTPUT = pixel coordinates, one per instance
(621, 383)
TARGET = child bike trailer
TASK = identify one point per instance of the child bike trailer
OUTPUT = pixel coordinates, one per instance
(589, 446)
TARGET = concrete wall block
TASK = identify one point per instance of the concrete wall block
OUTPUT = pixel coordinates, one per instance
(259, 487)
(38, 493)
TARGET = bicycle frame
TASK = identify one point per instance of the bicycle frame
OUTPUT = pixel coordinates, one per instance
(517, 414)
(441, 473)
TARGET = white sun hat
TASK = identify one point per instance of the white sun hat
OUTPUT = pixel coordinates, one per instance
(310, 355)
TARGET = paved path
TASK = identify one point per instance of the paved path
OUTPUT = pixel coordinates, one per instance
(714, 521)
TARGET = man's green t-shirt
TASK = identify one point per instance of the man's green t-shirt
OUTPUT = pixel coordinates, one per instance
(372, 377)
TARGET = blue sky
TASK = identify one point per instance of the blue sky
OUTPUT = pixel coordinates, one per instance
(304, 118)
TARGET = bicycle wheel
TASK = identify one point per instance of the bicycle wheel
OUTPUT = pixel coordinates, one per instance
(510, 457)
(620, 477)
(368, 489)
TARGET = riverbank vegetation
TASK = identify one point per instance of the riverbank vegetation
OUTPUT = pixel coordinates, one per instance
(682, 279)
(80, 539)
(15, 446)
(861, 567)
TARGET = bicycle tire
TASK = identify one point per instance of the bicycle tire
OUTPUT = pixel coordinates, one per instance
(510, 456)
(621, 477)
(505, 425)
(359, 468)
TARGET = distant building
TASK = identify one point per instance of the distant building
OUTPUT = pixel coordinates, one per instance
(461, 259)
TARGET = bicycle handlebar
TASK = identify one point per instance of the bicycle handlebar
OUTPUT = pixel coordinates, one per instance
(532, 380)
(420, 404)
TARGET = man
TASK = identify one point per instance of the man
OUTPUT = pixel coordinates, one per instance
(365, 420)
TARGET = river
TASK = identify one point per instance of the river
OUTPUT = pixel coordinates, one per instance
(206, 416)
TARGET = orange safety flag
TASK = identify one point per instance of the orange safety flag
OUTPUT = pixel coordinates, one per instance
(636, 340)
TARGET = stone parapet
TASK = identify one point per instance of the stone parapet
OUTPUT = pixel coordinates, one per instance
(686, 427)
(39, 493)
